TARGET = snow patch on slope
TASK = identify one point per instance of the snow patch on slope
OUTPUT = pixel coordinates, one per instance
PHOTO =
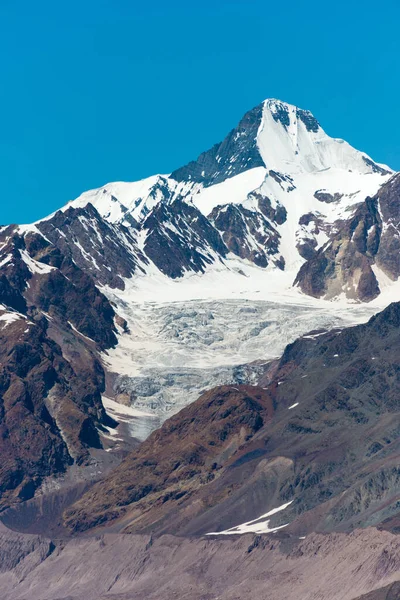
(35, 266)
(259, 525)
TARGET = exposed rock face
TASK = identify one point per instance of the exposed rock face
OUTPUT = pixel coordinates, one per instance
(105, 251)
(388, 253)
(237, 153)
(51, 379)
(370, 237)
(179, 238)
(308, 119)
(66, 292)
(327, 197)
(345, 263)
(187, 452)
(375, 168)
(249, 234)
(336, 413)
(311, 225)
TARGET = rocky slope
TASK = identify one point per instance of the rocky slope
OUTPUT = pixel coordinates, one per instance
(328, 457)
(186, 453)
(53, 323)
(362, 253)
(362, 565)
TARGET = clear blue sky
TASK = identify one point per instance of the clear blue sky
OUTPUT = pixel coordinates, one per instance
(101, 90)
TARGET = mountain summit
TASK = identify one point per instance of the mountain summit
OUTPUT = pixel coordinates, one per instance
(274, 135)
(280, 137)
(275, 194)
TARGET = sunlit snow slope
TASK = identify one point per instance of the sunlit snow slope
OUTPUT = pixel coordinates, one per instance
(273, 190)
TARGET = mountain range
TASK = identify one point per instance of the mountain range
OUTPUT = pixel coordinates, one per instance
(277, 193)
(198, 355)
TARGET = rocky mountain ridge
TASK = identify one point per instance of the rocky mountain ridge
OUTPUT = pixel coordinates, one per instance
(53, 324)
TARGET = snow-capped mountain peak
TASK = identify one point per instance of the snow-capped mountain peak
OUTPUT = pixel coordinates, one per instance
(292, 141)
(270, 194)
(273, 136)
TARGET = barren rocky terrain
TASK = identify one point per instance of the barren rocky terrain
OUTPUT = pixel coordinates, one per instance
(130, 567)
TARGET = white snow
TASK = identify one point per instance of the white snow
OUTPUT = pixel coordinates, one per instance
(233, 190)
(293, 405)
(111, 432)
(115, 408)
(35, 266)
(296, 150)
(9, 317)
(190, 334)
(76, 331)
(137, 423)
(306, 161)
(5, 260)
(259, 525)
(114, 199)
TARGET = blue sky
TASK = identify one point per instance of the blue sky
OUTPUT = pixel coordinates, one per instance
(105, 90)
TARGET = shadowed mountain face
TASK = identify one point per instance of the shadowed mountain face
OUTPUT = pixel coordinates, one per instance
(331, 447)
(105, 252)
(238, 153)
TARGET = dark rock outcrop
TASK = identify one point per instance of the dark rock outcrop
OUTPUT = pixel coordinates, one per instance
(248, 233)
(326, 197)
(236, 154)
(107, 252)
(179, 238)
